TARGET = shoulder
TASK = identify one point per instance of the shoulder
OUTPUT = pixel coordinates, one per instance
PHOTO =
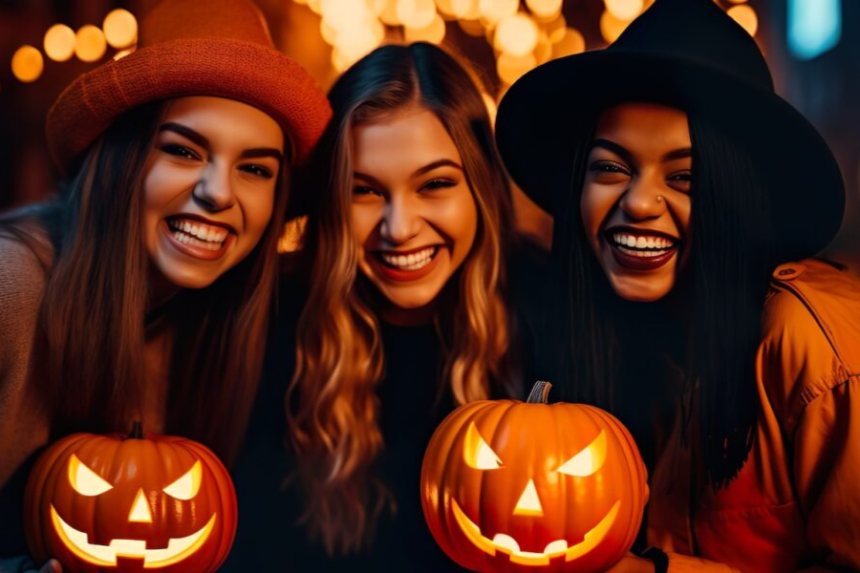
(810, 334)
(22, 273)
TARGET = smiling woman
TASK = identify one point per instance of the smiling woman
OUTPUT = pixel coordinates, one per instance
(144, 291)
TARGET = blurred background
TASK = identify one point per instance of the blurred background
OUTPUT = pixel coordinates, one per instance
(813, 47)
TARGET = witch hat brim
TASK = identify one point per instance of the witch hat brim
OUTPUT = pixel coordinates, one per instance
(540, 113)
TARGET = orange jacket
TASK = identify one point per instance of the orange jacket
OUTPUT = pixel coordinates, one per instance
(795, 504)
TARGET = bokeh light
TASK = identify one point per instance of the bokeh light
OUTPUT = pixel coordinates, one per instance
(60, 43)
(511, 68)
(120, 28)
(611, 27)
(516, 35)
(555, 29)
(472, 27)
(434, 33)
(27, 64)
(465, 9)
(495, 10)
(544, 8)
(745, 15)
(90, 44)
(572, 43)
(624, 10)
(416, 13)
(123, 53)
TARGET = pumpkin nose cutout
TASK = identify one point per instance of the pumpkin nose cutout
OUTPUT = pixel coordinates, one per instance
(529, 503)
(140, 509)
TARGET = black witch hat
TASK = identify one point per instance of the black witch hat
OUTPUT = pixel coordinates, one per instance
(688, 54)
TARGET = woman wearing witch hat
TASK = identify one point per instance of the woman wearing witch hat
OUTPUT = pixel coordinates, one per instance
(679, 180)
(144, 292)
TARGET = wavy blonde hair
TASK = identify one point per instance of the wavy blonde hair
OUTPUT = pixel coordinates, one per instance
(332, 408)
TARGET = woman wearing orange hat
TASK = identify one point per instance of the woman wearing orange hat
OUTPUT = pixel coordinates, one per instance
(408, 314)
(678, 180)
(143, 293)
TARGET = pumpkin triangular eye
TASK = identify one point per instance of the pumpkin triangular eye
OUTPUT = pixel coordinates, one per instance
(477, 453)
(84, 480)
(188, 485)
(589, 460)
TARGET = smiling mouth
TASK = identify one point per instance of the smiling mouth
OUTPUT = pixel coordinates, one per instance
(509, 546)
(197, 233)
(106, 555)
(414, 261)
(641, 245)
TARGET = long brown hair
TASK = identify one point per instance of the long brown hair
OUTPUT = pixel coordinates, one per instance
(332, 407)
(93, 322)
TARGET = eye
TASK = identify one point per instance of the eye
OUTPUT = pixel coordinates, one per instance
(257, 170)
(179, 151)
(435, 184)
(477, 452)
(608, 167)
(85, 481)
(364, 190)
(682, 180)
(188, 485)
(589, 460)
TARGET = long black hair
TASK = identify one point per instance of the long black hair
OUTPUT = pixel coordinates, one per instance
(711, 344)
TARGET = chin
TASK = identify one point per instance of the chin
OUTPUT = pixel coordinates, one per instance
(638, 291)
(188, 278)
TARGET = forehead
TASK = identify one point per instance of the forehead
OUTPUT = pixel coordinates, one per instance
(400, 142)
(221, 117)
(642, 127)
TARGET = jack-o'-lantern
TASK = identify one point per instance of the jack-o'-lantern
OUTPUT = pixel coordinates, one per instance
(513, 486)
(129, 503)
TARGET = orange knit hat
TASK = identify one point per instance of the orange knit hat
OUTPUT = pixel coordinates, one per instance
(216, 48)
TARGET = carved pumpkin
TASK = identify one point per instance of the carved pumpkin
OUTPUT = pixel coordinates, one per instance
(121, 503)
(513, 486)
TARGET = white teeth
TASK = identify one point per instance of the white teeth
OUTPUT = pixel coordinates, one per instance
(199, 231)
(411, 262)
(642, 242)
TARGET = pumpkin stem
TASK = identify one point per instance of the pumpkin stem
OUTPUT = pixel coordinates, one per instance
(539, 393)
(136, 431)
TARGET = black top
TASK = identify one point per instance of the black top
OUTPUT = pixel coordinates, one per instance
(268, 536)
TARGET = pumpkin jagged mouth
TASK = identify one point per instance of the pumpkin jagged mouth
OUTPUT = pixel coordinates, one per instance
(105, 555)
(509, 546)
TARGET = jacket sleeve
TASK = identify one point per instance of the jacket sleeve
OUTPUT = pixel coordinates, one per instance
(817, 399)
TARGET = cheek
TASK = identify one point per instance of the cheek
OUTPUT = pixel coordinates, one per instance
(364, 218)
(257, 208)
(458, 218)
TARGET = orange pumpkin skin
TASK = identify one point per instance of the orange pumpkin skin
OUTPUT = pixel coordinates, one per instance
(529, 443)
(138, 471)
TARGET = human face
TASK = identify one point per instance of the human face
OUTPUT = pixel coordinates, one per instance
(209, 187)
(414, 217)
(636, 198)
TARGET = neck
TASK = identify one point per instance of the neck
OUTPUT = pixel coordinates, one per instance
(160, 291)
(398, 316)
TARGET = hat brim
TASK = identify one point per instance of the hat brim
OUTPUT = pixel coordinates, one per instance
(243, 71)
(540, 113)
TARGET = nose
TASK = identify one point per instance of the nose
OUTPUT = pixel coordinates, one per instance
(214, 190)
(529, 502)
(140, 512)
(645, 198)
(401, 221)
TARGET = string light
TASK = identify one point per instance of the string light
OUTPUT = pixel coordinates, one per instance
(59, 43)
(472, 27)
(27, 64)
(745, 15)
(545, 9)
(555, 29)
(90, 44)
(434, 33)
(416, 13)
(511, 68)
(120, 28)
(573, 42)
(611, 27)
(495, 10)
(516, 35)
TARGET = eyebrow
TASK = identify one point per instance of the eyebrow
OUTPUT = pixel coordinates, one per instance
(620, 151)
(202, 141)
(418, 172)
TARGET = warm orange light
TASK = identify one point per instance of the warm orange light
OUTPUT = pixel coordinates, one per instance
(27, 64)
(611, 27)
(624, 9)
(495, 10)
(120, 28)
(492, 107)
(123, 53)
(140, 512)
(466, 9)
(292, 238)
(737, 1)
(745, 15)
(472, 27)
(573, 42)
(544, 8)
(516, 35)
(529, 502)
(511, 68)
(314, 5)
(59, 43)
(90, 44)
(555, 29)
(344, 15)
(416, 13)
(434, 33)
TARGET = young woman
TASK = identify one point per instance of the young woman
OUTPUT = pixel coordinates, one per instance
(143, 293)
(678, 180)
(407, 315)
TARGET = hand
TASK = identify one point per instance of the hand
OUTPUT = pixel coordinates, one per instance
(51, 566)
(632, 563)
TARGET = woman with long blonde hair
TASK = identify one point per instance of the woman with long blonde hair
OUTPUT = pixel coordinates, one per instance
(407, 313)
